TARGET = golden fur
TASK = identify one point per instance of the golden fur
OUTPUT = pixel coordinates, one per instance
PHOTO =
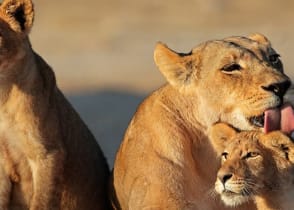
(254, 166)
(165, 160)
(48, 157)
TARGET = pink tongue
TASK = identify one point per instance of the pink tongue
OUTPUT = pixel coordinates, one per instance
(276, 119)
(287, 121)
(272, 120)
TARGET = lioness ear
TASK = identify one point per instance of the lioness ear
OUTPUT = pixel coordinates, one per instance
(260, 38)
(19, 14)
(219, 135)
(176, 67)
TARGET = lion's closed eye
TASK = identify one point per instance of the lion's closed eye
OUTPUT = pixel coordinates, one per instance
(251, 155)
(231, 68)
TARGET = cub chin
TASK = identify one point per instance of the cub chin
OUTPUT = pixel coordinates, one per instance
(254, 166)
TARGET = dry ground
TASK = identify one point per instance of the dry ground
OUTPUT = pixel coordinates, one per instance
(102, 50)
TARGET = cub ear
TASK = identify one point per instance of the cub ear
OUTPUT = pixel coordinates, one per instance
(177, 68)
(279, 142)
(220, 135)
(259, 38)
(19, 14)
(275, 139)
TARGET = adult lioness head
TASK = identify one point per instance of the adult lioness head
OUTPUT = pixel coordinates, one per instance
(254, 166)
(235, 80)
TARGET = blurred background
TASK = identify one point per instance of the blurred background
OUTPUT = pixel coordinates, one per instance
(102, 50)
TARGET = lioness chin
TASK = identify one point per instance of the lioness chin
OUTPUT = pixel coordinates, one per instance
(48, 157)
(165, 160)
(255, 166)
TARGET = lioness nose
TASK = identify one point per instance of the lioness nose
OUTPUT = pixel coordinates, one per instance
(224, 177)
(278, 88)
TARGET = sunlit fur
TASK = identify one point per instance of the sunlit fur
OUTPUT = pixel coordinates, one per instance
(48, 157)
(165, 159)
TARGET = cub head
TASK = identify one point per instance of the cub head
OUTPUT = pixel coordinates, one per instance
(233, 80)
(16, 19)
(252, 163)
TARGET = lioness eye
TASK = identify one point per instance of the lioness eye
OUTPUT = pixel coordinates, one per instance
(251, 154)
(231, 67)
(274, 59)
(224, 155)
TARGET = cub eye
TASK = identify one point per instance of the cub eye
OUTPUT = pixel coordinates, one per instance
(251, 155)
(231, 67)
(224, 155)
(274, 59)
(285, 149)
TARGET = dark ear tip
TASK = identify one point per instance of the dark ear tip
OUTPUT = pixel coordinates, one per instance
(160, 45)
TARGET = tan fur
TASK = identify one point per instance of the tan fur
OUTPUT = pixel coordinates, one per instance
(255, 166)
(48, 157)
(165, 160)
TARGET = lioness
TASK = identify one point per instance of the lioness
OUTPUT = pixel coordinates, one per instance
(48, 157)
(254, 166)
(165, 160)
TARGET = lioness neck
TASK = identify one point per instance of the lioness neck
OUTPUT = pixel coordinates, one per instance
(184, 112)
(21, 101)
(184, 108)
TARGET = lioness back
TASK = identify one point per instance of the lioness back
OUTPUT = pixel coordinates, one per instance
(255, 166)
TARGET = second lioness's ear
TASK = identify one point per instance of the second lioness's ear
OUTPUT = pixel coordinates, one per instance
(19, 14)
(220, 135)
(177, 68)
(259, 38)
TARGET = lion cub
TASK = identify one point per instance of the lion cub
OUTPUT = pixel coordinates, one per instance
(254, 166)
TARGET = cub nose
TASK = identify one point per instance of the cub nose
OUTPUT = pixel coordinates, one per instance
(224, 176)
(278, 89)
